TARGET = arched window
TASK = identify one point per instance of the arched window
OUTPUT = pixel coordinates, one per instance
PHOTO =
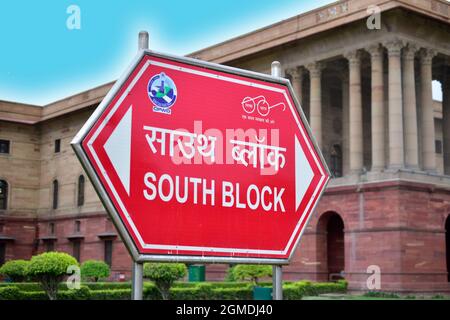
(3, 195)
(336, 161)
(55, 194)
(330, 245)
(80, 199)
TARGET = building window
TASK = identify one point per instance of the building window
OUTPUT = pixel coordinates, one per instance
(77, 226)
(3, 195)
(50, 245)
(336, 161)
(57, 145)
(2, 227)
(2, 252)
(80, 200)
(4, 146)
(438, 146)
(55, 194)
(51, 228)
(76, 249)
(108, 252)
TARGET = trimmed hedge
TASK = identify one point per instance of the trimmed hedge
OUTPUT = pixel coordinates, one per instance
(34, 286)
(10, 293)
(180, 291)
(297, 290)
(108, 294)
(14, 293)
(108, 285)
(23, 286)
(381, 294)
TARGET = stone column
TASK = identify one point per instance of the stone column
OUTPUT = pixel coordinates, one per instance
(345, 123)
(297, 82)
(410, 108)
(428, 133)
(315, 106)
(377, 107)
(446, 116)
(355, 112)
(395, 113)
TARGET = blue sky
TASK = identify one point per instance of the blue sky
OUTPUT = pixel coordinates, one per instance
(41, 60)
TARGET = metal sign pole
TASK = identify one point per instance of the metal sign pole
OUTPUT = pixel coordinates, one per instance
(277, 283)
(277, 273)
(137, 268)
(137, 281)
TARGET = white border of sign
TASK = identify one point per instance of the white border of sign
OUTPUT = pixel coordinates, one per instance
(126, 237)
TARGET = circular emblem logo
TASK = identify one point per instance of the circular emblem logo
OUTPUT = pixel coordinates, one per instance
(162, 90)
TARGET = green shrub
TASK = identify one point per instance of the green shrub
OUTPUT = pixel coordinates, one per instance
(107, 285)
(34, 286)
(381, 294)
(243, 293)
(95, 270)
(179, 291)
(251, 272)
(164, 275)
(75, 294)
(23, 286)
(329, 287)
(111, 294)
(184, 293)
(14, 293)
(15, 270)
(10, 293)
(150, 292)
(292, 292)
(230, 275)
(33, 295)
(218, 285)
(49, 269)
(300, 289)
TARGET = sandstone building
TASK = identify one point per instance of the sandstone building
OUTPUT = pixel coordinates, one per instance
(367, 94)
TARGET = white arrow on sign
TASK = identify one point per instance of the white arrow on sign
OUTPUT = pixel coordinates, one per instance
(118, 149)
(303, 173)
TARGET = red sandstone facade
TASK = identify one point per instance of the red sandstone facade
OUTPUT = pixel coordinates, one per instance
(398, 226)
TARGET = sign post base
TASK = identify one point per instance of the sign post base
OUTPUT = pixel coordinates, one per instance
(137, 281)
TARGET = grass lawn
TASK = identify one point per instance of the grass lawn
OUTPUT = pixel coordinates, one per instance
(364, 297)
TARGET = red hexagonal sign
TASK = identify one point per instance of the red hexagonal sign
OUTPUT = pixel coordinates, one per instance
(201, 162)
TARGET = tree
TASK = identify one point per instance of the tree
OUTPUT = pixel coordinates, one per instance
(95, 270)
(49, 269)
(15, 270)
(164, 275)
(251, 272)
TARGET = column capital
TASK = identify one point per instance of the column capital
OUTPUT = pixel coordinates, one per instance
(375, 50)
(353, 57)
(427, 55)
(394, 47)
(315, 68)
(409, 52)
(295, 72)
